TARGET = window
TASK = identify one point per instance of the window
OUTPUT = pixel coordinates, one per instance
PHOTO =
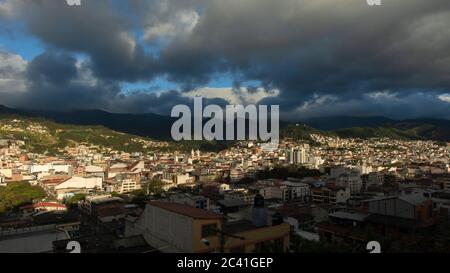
(209, 230)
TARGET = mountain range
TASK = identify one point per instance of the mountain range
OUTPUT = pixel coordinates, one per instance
(159, 127)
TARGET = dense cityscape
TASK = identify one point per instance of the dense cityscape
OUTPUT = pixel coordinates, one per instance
(325, 194)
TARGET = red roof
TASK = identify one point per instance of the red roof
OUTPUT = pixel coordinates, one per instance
(186, 210)
(54, 180)
(44, 204)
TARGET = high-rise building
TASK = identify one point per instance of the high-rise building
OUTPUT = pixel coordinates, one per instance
(298, 155)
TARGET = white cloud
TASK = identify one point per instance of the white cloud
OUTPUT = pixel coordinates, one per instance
(382, 95)
(85, 74)
(318, 101)
(444, 97)
(12, 73)
(182, 23)
(241, 96)
(6, 8)
(12, 8)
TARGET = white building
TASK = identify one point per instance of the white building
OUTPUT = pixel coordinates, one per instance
(284, 190)
(316, 161)
(7, 173)
(351, 180)
(331, 196)
(116, 169)
(78, 185)
(94, 171)
(297, 191)
(275, 192)
(125, 186)
(47, 168)
(299, 155)
(183, 179)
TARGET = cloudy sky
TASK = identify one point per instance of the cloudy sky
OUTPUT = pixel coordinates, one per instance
(311, 57)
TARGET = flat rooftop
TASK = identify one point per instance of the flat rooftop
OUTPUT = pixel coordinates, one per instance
(186, 210)
(37, 242)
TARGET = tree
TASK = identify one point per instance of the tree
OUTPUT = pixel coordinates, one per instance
(138, 193)
(155, 187)
(17, 194)
(73, 201)
(115, 194)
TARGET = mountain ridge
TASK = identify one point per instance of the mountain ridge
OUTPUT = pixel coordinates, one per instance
(159, 127)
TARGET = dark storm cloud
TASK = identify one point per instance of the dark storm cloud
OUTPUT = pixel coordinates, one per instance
(404, 106)
(53, 68)
(311, 50)
(95, 28)
(57, 81)
(325, 46)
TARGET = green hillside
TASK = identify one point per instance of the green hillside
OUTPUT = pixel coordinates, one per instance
(301, 132)
(46, 137)
(379, 132)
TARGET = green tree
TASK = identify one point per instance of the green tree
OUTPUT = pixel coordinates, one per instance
(73, 201)
(115, 194)
(155, 187)
(17, 194)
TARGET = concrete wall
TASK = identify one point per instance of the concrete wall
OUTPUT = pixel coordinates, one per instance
(164, 230)
(392, 207)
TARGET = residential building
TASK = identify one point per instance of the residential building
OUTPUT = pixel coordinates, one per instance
(121, 184)
(352, 180)
(299, 155)
(297, 190)
(165, 225)
(284, 190)
(404, 212)
(104, 209)
(94, 171)
(334, 196)
(43, 206)
(196, 201)
(78, 184)
(51, 167)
